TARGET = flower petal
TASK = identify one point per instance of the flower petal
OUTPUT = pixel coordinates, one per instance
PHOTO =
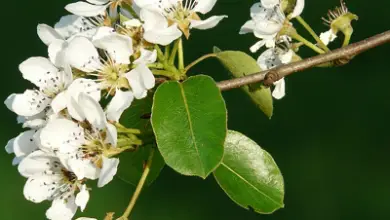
(93, 111)
(82, 198)
(146, 57)
(208, 23)
(62, 209)
(112, 135)
(39, 188)
(38, 69)
(248, 27)
(24, 143)
(280, 89)
(109, 169)
(299, 5)
(37, 163)
(84, 9)
(328, 36)
(71, 25)
(119, 103)
(30, 103)
(57, 52)
(204, 6)
(47, 34)
(83, 55)
(87, 86)
(119, 47)
(59, 102)
(269, 3)
(163, 36)
(140, 79)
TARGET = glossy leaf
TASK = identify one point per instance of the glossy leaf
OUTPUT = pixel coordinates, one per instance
(249, 175)
(131, 165)
(241, 64)
(189, 121)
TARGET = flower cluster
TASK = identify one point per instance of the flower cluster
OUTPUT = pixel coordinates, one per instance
(101, 53)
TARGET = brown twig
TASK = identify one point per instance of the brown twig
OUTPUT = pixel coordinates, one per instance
(270, 76)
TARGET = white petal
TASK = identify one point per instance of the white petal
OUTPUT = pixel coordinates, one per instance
(83, 55)
(146, 57)
(39, 188)
(93, 111)
(328, 36)
(87, 86)
(132, 23)
(24, 144)
(47, 34)
(163, 36)
(84, 9)
(248, 27)
(82, 198)
(9, 148)
(63, 135)
(109, 169)
(119, 47)
(286, 57)
(37, 163)
(257, 46)
(140, 79)
(204, 6)
(269, 3)
(153, 19)
(98, 2)
(144, 3)
(82, 168)
(208, 23)
(280, 89)
(71, 25)
(299, 5)
(17, 160)
(59, 102)
(57, 52)
(119, 103)
(62, 209)
(37, 69)
(30, 103)
(103, 32)
(112, 135)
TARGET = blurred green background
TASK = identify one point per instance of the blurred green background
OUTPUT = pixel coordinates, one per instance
(329, 135)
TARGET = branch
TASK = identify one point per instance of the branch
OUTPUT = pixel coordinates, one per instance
(270, 76)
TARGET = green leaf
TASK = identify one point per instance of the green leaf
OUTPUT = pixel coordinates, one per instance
(249, 175)
(131, 165)
(241, 64)
(190, 123)
(216, 49)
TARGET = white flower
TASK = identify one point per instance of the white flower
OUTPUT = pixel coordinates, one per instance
(49, 79)
(68, 27)
(272, 58)
(22, 145)
(49, 180)
(92, 8)
(113, 74)
(267, 20)
(82, 149)
(166, 19)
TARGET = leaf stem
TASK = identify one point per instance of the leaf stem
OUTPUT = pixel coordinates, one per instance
(140, 185)
(167, 51)
(299, 38)
(181, 55)
(160, 54)
(312, 33)
(200, 59)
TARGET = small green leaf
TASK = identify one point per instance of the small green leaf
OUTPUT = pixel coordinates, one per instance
(137, 115)
(241, 64)
(249, 175)
(131, 165)
(190, 124)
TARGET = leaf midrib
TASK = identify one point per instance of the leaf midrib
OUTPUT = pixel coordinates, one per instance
(190, 124)
(246, 181)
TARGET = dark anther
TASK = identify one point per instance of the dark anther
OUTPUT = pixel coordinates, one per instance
(270, 78)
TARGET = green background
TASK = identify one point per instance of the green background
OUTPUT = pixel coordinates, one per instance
(329, 135)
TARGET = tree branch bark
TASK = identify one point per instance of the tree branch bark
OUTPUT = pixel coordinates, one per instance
(272, 75)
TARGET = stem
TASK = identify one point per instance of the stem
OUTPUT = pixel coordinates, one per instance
(299, 38)
(140, 185)
(181, 55)
(160, 54)
(347, 38)
(200, 59)
(167, 51)
(312, 33)
(156, 65)
(173, 53)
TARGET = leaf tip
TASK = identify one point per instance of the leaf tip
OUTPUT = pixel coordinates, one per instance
(216, 49)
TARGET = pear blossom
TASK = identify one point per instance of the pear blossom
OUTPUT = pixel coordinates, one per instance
(267, 20)
(166, 20)
(50, 82)
(272, 58)
(22, 145)
(83, 146)
(49, 180)
(92, 7)
(114, 73)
